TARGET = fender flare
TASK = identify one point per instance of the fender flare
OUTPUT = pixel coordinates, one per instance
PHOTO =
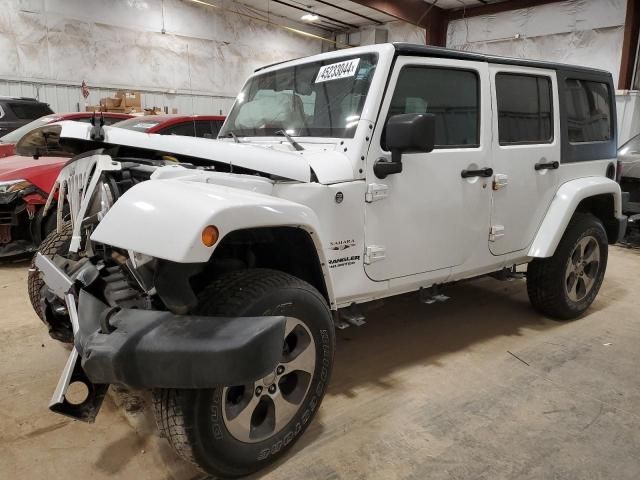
(564, 205)
(165, 219)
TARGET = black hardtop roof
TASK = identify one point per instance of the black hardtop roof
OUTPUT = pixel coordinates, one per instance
(439, 52)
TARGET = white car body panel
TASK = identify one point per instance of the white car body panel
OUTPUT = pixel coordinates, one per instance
(564, 204)
(448, 215)
(524, 183)
(149, 219)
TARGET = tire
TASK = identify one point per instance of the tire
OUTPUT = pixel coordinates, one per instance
(566, 284)
(54, 243)
(203, 425)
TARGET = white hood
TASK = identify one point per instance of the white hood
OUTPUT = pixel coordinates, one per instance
(329, 167)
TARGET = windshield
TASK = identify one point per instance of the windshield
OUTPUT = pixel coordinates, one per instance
(18, 133)
(318, 99)
(139, 124)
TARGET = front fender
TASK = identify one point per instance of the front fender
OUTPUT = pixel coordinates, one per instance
(564, 205)
(165, 218)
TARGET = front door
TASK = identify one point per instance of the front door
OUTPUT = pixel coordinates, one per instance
(428, 217)
(526, 156)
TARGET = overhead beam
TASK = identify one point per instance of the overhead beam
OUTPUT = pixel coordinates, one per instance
(350, 12)
(493, 8)
(417, 12)
(629, 45)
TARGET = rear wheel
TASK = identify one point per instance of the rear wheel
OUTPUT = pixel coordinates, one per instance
(235, 430)
(564, 285)
(56, 243)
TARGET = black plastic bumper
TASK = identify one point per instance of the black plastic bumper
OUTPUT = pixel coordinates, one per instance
(149, 349)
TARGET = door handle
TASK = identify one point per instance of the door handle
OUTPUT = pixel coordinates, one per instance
(483, 172)
(547, 166)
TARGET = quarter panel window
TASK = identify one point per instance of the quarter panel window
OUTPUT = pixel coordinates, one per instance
(525, 109)
(588, 111)
(452, 95)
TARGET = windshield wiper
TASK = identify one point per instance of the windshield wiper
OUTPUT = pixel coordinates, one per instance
(234, 136)
(295, 144)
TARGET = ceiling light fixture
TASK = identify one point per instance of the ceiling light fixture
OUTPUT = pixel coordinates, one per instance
(309, 17)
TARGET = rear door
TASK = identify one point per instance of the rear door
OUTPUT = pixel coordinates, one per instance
(526, 153)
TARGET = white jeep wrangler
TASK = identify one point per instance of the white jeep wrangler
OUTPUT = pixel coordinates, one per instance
(214, 272)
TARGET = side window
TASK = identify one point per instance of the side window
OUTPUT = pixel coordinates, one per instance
(452, 95)
(112, 120)
(184, 129)
(216, 125)
(203, 129)
(525, 110)
(588, 111)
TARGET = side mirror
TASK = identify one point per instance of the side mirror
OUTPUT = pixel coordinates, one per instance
(406, 133)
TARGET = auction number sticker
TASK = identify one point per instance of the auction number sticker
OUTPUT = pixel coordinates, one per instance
(338, 70)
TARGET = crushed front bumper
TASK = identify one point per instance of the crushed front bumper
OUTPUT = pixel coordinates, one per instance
(155, 349)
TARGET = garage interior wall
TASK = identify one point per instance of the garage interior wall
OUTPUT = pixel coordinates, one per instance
(583, 32)
(48, 47)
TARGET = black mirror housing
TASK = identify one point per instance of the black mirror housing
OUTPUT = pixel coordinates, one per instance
(406, 133)
(411, 132)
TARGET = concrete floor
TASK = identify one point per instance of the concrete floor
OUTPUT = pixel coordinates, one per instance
(480, 387)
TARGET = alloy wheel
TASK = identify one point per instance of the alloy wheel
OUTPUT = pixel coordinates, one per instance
(257, 411)
(582, 268)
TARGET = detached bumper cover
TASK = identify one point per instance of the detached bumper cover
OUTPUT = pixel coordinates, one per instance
(157, 349)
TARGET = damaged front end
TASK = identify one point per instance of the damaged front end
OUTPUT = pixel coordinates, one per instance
(131, 314)
(21, 217)
(141, 348)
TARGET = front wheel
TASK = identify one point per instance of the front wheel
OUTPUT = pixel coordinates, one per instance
(56, 243)
(566, 284)
(235, 430)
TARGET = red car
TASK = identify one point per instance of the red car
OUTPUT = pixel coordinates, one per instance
(206, 126)
(8, 141)
(25, 182)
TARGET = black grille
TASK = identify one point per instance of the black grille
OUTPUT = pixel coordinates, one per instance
(7, 216)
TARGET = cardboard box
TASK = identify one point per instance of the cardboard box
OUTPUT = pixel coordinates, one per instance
(110, 102)
(130, 98)
(93, 108)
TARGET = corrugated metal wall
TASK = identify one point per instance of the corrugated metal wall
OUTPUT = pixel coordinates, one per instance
(68, 98)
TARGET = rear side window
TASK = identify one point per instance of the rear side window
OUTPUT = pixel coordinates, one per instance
(588, 107)
(185, 129)
(525, 110)
(30, 111)
(203, 129)
(450, 94)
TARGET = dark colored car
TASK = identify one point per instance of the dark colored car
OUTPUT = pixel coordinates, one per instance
(205, 126)
(8, 141)
(18, 111)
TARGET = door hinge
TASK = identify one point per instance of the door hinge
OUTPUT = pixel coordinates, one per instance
(376, 191)
(496, 232)
(373, 253)
(500, 180)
